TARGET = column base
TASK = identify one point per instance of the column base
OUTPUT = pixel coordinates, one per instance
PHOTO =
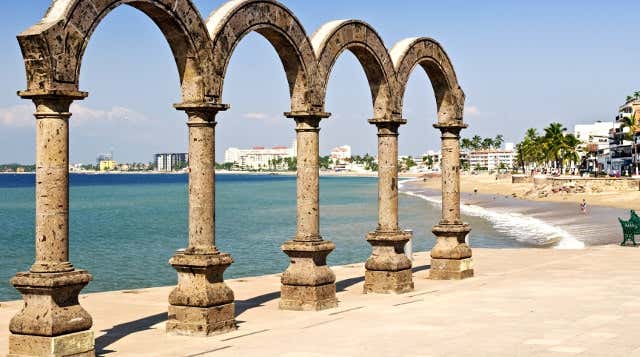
(51, 306)
(388, 269)
(451, 256)
(387, 282)
(451, 269)
(201, 321)
(78, 344)
(202, 304)
(308, 298)
(308, 284)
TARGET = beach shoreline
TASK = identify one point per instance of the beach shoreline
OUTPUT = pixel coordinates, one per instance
(540, 223)
(502, 185)
(226, 172)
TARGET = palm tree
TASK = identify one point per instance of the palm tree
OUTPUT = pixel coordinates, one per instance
(636, 95)
(476, 142)
(487, 143)
(466, 144)
(520, 148)
(531, 133)
(629, 98)
(554, 141)
(570, 149)
(634, 126)
(428, 160)
(530, 149)
(498, 141)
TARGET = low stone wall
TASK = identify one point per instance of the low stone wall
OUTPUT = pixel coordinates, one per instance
(539, 180)
(521, 179)
(594, 184)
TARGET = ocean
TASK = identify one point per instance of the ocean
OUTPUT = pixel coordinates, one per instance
(124, 228)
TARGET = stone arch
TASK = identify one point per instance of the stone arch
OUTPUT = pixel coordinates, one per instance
(235, 19)
(53, 48)
(363, 41)
(429, 54)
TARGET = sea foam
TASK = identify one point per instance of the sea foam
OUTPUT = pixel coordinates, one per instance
(520, 227)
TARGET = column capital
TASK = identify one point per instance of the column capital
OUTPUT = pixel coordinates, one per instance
(201, 113)
(307, 114)
(450, 130)
(307, 121)
(387, 127)
(451, 126)
(202, 107)
(52, 104)
(53, 94)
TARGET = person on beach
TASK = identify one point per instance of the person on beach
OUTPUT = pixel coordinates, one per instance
(583, 206)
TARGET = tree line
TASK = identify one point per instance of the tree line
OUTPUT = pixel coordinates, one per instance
(554, 149)
(478, 143)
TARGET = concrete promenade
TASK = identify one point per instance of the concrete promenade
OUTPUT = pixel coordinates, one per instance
(528, 302)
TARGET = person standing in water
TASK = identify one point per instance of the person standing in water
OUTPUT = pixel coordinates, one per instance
(583, 206)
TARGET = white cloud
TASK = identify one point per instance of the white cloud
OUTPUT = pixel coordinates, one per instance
(471, 111)
(256, 115)
(21, 115)
(83, 114)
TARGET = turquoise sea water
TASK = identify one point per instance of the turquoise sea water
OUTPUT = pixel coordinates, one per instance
(124, 228)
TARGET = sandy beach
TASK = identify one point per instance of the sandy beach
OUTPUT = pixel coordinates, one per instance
(555, 221)
(488, 184)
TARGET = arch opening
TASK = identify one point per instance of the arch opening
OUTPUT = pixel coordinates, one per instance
(431, 57)
(231, 23)
(116, 117)
(359, 38)
(54, 48)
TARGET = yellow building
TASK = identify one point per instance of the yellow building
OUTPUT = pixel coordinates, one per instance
(108, 165)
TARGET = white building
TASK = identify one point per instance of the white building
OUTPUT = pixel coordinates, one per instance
(259, 158)
(171, 161)
(594, 136)
(617, 157)
(341, 154)
(493, 159)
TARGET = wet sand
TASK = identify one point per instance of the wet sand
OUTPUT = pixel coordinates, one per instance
(540, 223)
(487, 184)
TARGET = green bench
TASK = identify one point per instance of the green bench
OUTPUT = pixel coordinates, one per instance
(630, 228)
(635, 218)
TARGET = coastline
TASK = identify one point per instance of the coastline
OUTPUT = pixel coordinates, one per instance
(488, 184)
(541, 223)
(225, 172)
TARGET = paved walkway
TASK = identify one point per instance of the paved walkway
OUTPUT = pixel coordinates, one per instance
(521, 303)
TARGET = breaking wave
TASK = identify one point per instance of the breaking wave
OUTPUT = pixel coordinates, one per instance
(520, 227)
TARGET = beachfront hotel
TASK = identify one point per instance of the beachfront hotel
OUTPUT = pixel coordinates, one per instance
(340, 154)
(493, 159)
(594, 139)
(617, 158)
(105, 162)
(258, 157)
(170, 161)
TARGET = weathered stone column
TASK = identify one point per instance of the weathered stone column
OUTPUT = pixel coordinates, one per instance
(308, 283)
(52, 322)
(388, 270)
(202, 304)
(451, 256)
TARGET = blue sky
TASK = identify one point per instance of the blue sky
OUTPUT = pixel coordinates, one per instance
(522, 64)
